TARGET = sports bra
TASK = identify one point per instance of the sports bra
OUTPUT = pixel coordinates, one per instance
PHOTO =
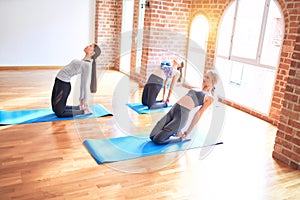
(197, 96)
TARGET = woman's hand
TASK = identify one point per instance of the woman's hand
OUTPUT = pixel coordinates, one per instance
(182, 134)
(166, 101)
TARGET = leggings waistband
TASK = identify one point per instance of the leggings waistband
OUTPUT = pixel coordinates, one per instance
(153, 79)
(182, 108)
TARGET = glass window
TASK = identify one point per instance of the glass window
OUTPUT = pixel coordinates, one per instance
(273, 37)
(247, 85)
(248, 72)
(247, 28)
(226, 29)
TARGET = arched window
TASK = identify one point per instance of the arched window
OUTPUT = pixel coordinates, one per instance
(196, 54)
(248, 51)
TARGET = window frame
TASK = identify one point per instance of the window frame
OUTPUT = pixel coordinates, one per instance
(259, 50)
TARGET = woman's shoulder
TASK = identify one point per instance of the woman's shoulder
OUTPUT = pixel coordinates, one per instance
(175, 72)
(80, 61)
(76, 61)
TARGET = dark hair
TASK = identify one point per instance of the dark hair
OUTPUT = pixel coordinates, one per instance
(180, 70)
(97, 51)
(93, 85)
(182, 64)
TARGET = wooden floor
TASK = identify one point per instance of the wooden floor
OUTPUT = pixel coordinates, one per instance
(49, 161)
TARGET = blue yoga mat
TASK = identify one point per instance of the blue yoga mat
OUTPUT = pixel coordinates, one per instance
(130, 147)
(141, 109)
(45, 115)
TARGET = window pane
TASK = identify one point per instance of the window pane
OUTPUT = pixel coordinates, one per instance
(256, 86)
(225, 31)
(247, 28)
(273, 37)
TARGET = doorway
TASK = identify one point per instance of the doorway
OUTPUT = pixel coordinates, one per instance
(126, 35)
(196, 55)
(139, 37)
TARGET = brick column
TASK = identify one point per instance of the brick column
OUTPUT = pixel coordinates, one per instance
(287, 141)
(165, 35)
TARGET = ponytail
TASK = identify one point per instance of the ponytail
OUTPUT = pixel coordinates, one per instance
(93, 85)
(213, 91)
(180, 69)
(215, 78)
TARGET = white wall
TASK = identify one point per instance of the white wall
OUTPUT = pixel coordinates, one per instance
(44, 32)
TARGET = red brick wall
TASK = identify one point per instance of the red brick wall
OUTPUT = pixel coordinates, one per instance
(291, 12)
(287, 142)
(165, 34)
(166, 30)
(108, 27)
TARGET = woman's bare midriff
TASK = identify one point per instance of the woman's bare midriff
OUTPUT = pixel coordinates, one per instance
(187, 102)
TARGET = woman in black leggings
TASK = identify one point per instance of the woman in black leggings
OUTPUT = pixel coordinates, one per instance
(156, 81)
(168, 129)
(62, 86)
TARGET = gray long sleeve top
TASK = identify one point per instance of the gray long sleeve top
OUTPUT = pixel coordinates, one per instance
(74, 68)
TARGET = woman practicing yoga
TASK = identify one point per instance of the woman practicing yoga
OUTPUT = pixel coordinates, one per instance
(155, 82)
(62, 86)
(168, 129)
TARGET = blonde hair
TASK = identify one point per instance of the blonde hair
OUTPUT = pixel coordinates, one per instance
(215, 78)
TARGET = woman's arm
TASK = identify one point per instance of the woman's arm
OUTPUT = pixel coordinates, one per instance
(175, 77)
(164, 89)
(84, 85)
(207, 102)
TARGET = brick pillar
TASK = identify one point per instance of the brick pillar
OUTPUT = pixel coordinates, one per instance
(287, 141)
(107, 31)
(165, 35)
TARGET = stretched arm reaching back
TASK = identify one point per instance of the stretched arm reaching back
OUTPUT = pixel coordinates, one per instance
(164, 89)
(175, 77)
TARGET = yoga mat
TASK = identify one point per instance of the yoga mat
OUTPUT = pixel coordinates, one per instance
(131, 147)
(45, 115)
(141, 109)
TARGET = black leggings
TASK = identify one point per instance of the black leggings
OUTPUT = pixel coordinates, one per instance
(169, 125)
(151, 91)
(60, 94)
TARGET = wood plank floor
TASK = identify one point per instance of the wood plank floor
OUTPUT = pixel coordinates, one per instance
(48, 160)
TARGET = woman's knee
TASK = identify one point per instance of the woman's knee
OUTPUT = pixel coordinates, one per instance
(156, 135)
(158, 140)
(150, 104)
(58, 113)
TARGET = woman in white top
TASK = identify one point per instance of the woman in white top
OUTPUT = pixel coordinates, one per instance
(155, 82)
(62, 86)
